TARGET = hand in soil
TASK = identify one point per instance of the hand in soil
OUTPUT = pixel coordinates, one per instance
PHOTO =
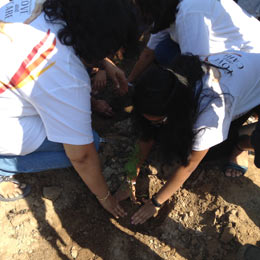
(144, 213)
(113, 207)
(102, 107)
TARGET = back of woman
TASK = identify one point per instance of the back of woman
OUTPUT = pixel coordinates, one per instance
(225, 23)
(227, 94)
(204, 27)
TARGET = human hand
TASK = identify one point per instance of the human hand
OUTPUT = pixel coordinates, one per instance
(113, 207)
(99, 80)
(102, 107)
(117, 75)
(144, 213)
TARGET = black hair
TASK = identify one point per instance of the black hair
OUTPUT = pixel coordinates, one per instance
(94, 28)
(160, 13)
(173, 93)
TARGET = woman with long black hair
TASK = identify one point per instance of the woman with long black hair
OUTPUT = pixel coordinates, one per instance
(188, 109)
(45, 88)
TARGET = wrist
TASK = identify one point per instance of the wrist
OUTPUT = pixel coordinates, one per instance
(104, 197)
(155, 202)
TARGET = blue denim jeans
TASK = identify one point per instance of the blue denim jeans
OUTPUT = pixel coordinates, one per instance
(166, 51)
(48, 156)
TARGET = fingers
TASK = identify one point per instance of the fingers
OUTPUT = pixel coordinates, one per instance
(143, 214)
(99, 84)
(120, 212)
(112, 206)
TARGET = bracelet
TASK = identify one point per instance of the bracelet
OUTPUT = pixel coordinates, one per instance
(155, 202)
(105, 198)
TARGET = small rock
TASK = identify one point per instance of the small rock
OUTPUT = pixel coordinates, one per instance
(166, 249)
(191, 214)
(52, 193)
(74, 252)
(233, 212)
(228, 234)
(153, 170)
(185, 218)
(49, 238)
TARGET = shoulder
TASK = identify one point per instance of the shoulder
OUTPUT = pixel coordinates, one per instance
(189, 6)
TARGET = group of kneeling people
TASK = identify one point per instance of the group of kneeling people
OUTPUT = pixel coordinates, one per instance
(196, 80)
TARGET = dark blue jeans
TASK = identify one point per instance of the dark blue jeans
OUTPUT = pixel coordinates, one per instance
(166, 51)
(48, 156)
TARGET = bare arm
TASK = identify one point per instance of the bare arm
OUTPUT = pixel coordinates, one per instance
(145, 148)
(117, 75)
(145, 59)
(86, 162)
(172, 185)
(180, 176)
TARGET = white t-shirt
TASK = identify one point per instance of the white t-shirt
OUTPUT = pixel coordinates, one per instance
(204, 27)
(226, 96)
(44, 87)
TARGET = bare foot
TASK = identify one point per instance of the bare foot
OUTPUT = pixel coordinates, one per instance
(10, 190)
(239, 158)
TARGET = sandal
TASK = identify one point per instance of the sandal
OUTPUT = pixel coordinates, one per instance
(25, 190)
(234, 166)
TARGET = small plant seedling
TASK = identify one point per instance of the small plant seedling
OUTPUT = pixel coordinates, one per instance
(131, 170)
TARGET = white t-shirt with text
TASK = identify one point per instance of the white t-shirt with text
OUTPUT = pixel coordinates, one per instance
(44, 87)
(226, 95)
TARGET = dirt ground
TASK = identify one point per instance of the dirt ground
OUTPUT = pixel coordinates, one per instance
(211, 217)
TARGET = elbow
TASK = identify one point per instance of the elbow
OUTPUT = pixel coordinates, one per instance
(78, 158)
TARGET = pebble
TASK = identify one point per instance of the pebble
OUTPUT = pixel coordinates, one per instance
(49, 238)
(153, 170)
(74, 252)
(233, 212)
(185, 218)
(191, 214)
(228, 234)
(166, 249)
